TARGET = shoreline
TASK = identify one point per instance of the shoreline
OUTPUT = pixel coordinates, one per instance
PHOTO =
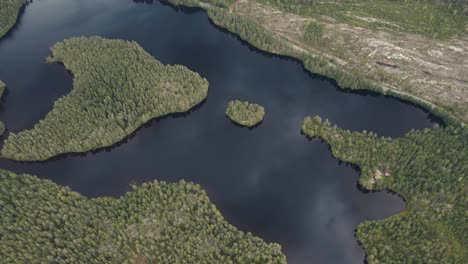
(336, 73)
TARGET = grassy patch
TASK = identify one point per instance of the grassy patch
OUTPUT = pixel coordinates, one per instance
(424, 17)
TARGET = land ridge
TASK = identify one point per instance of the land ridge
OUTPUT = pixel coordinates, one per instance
(427, 71)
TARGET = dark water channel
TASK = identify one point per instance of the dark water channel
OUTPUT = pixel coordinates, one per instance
(270, 180)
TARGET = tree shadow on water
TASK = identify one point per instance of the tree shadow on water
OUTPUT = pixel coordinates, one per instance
(250, 128)
(18, 22)
(123, 141)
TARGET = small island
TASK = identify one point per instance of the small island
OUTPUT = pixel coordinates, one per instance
(117, 87)
(245, 113)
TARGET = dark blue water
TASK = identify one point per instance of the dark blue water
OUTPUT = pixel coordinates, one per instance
(270, 180)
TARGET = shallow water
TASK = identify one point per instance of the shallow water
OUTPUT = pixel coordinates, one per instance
(271, 180)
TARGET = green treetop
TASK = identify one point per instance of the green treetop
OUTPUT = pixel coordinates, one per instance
(245, 113)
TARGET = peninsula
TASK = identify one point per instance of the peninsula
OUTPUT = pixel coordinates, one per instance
(156, 222)
(428, 169)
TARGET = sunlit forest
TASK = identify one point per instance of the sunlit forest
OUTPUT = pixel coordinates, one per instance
(156, 222)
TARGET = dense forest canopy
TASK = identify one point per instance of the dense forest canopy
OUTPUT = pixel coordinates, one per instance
(9, 10)
(245, 113)
(157, 222)
(117, 87)
(429, 168)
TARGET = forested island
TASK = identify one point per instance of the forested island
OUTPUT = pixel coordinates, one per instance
(156, 222)
(117, 87)
(245, 113)
(429, 169)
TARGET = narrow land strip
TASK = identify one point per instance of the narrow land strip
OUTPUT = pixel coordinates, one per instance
(409, 63)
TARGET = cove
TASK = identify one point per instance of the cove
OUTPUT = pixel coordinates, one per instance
(270, 180)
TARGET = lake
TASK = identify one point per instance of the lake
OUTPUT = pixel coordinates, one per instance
(270, 180)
